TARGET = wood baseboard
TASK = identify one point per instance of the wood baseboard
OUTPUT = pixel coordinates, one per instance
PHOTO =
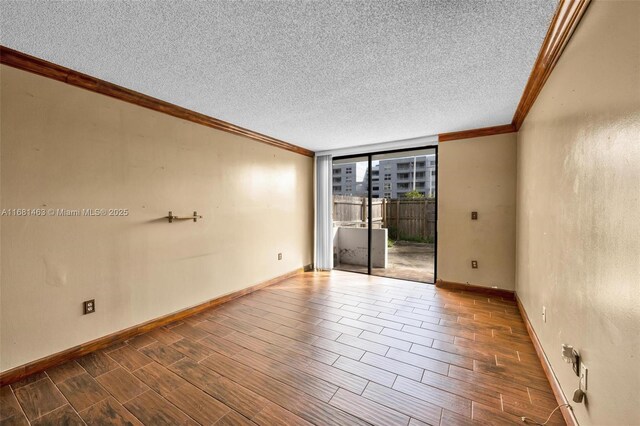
(567, 412)
(489, 291)
(20, 372)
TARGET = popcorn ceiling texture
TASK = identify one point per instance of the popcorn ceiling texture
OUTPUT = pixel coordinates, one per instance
(319, 74)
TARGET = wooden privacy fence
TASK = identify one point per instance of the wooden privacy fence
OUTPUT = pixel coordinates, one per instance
(405, 218)
(352, 211)
(410, 219)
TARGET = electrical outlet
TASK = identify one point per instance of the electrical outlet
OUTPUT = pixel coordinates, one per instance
(583, 376)
(474, 215)
(544, 314)
(474, 264)
(279, 256)
(89, 306)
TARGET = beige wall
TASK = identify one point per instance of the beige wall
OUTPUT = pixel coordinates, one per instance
(64, 147)
(578, 245)
(477, 174)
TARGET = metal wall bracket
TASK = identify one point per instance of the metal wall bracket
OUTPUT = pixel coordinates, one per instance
(171, 217)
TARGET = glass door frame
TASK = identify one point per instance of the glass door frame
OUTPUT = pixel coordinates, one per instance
(370, 156)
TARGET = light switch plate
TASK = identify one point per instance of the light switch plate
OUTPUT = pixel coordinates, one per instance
(583, 376)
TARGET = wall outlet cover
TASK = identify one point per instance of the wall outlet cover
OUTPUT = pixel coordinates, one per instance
(89, 306)
(544, 314)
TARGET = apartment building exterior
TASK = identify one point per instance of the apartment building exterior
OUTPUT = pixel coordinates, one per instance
(391, 178)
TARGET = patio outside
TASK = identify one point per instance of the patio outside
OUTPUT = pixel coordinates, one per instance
(406, 248)
(406, 260)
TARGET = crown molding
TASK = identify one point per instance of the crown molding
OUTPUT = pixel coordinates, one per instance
(476, 133)
(568, 15)
(22, 61)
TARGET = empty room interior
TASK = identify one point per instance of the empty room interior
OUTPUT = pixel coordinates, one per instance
(320, 212)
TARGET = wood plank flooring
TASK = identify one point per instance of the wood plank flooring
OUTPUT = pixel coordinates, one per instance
(319, 348)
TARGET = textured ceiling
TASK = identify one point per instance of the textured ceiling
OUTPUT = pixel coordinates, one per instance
(319, 74)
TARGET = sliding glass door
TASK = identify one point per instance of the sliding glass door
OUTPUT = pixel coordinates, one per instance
(407, 189)
(350, 214)
(384, 214)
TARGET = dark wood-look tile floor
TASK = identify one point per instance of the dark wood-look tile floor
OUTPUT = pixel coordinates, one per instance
(320, 348)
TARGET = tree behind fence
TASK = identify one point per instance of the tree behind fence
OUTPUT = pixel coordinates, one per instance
(405, 218)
